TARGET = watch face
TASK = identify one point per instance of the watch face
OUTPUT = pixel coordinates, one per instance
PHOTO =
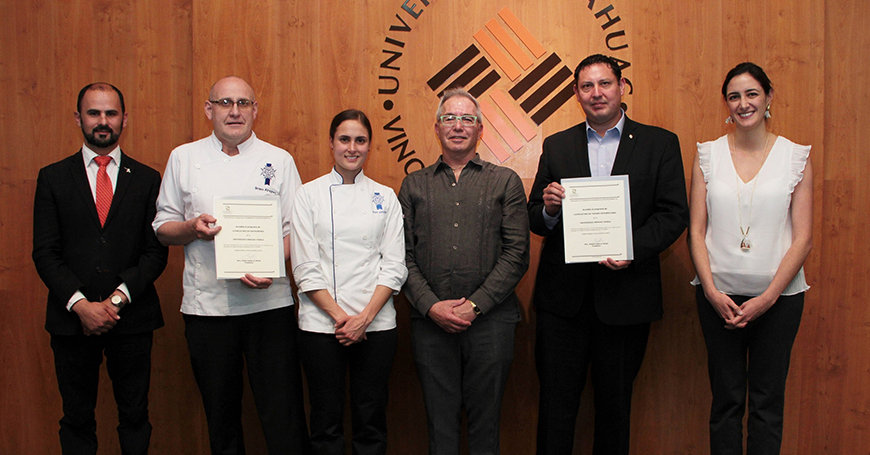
(116, 300)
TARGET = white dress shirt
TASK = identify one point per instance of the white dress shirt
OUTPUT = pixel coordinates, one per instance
(91, 168)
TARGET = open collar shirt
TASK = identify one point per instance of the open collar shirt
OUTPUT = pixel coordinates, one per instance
(467, 238)
(602, 150)
(602, 155)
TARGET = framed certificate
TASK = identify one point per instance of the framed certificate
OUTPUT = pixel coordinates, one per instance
(250, 239)
(596, 217)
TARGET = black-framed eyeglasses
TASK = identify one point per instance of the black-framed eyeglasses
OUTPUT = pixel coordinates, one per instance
(227, 103)
(464, 120)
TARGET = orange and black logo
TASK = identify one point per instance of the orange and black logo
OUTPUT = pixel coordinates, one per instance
(501, 42)
(518, 82)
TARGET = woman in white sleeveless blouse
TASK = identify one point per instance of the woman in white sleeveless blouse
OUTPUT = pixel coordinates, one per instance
(750, 233)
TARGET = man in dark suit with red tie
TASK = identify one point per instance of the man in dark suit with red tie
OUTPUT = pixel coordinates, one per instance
(599, 314)
(94, 248)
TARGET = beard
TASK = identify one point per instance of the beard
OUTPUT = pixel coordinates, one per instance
(97, 142)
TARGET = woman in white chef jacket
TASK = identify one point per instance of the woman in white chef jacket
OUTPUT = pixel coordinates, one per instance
(348, 256)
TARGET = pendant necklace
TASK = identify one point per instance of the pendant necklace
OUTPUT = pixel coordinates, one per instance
(745, 243)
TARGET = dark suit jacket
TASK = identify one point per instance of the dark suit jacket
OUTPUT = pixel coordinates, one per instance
(72, 252)
(651, 158)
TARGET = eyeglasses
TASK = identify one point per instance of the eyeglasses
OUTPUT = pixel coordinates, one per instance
(464, 120)
(227, 103)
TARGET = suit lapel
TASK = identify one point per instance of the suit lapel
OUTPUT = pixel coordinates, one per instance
(80, 178)
(126, 168)
(581, 144)
(627, 141)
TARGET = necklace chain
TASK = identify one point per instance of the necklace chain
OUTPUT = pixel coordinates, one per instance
(745, 244)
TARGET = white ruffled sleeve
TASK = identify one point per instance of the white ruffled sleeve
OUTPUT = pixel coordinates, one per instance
(799, 156)
(704, 151)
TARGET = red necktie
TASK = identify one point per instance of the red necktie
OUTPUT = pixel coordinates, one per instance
(104, 188)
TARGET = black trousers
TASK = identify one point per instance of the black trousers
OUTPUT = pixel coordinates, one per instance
(77, 360)
(467, 369)
(266, 343)
(326, 364)
(565, 347)
(755, 357)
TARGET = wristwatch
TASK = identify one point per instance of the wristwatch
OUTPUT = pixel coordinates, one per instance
(475, 308)
(118, 301)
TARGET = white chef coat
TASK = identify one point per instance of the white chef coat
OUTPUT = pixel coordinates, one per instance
(195, 174)
(347, 239)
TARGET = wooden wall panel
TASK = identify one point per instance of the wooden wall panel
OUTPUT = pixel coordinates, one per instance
(309, 60)
(833, 402)
(50, 51)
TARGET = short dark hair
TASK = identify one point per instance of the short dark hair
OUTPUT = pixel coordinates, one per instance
(596, 59)
(753, 70)
(350, 114)
(99, 86)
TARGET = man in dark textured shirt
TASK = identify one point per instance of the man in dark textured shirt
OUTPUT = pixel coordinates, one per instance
(467, 246)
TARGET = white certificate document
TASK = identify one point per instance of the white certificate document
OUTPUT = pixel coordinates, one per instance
(250, 239)
(596, 217)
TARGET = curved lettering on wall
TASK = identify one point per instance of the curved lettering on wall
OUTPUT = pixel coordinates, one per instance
(514, 59)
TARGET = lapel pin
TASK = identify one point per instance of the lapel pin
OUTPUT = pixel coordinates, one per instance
(127, 169)
(630, 136)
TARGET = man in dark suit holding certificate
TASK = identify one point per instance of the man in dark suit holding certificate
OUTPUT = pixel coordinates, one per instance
(94, 248)
(599, 314)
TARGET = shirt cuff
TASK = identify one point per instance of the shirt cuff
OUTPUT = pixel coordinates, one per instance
(78, 296)
(551, 221)
(75, 298)
(426, 303)
(123, 288)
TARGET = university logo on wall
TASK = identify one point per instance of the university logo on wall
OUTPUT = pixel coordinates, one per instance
(517, 74)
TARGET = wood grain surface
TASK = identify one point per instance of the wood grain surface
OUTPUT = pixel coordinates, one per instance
(310, 60)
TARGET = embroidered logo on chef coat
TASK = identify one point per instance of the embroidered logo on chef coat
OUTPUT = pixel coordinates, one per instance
(378, 203)
(268, 173)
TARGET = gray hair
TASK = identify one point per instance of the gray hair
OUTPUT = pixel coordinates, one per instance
(452, 93)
